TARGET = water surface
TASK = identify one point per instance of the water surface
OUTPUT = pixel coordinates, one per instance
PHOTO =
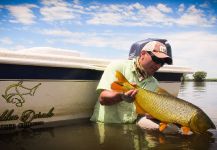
(87, 135)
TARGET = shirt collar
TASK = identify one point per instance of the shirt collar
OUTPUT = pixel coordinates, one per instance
(141, 74)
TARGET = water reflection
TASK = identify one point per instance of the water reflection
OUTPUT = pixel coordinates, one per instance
(163, 141)
(199, 86)
(104, 136)
(132, 137)
(25, 139)
(201, 94)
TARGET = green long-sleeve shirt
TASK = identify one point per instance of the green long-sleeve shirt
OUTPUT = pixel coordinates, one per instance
(121, 112)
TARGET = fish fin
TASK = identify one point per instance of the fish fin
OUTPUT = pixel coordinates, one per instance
(185, 130)
(117, 87)
(162, 91)
(120, 77)
(122, 84)
(162, 126)
(161, 139)
(139, 109)
(135, 86)
(32, 91)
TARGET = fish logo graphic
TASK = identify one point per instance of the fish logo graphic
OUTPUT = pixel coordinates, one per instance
(15, 93)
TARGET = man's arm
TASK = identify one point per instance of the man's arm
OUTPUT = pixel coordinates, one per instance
(108, 97)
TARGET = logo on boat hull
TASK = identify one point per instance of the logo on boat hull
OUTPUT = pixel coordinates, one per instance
(16, 93)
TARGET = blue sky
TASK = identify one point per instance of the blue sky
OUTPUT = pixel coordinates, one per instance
(107, 29)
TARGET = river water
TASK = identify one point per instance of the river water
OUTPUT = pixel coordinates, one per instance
(91, 136)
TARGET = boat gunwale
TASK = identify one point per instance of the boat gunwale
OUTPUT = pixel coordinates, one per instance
(34, 59)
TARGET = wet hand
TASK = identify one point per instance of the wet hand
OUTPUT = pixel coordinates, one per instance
(129, 96)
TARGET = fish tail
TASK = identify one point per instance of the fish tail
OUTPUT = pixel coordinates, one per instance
(117, 86)
(120, 77)
(122, 84)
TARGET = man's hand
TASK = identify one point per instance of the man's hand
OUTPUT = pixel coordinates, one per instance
(108, 97)
(129, 96)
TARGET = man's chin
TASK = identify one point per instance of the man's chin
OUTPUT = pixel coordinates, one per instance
(150, 73)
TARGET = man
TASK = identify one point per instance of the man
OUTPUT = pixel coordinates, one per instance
(117, 107)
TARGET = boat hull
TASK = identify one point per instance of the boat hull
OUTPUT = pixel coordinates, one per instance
(51, 101)
(42, 90)
(33, 96)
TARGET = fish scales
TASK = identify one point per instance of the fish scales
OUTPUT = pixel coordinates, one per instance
(166, 108)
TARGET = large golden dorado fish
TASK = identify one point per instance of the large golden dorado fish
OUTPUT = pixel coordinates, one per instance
(166, 108)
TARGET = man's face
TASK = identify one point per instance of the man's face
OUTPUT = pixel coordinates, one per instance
(148, 64)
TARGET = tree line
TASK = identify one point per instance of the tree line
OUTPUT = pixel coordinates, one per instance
(198, 76)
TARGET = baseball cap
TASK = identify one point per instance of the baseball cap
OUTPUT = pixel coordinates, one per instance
(159, 50)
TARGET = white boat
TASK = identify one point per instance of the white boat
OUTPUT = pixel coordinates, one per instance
(44, 89)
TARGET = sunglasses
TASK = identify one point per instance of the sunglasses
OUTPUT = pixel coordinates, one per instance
(156, 59)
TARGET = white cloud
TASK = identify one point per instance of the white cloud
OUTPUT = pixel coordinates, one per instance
(181, 8)
(164, 8)
(128, 15)
(106, 14)
(196, 17)
(139, 15)
(191, 43)
(106, 18)
(6, 41)
(195, 49)
(22, 13)
(51, 51)
(93, 39)
(135, 14)
(204, 5)
(57, 32)
(4, 49)
(154, 16)
(57, 10)
(77, 2)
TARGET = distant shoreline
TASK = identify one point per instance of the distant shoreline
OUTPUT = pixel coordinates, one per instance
(206, 80)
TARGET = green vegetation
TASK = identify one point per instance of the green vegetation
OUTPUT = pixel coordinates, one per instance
(199, 76)
(205, 80)
(185, 78)
(211, 80)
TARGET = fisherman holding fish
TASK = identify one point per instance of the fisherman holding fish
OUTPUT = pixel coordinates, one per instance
(129, 93)
(118, 107)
